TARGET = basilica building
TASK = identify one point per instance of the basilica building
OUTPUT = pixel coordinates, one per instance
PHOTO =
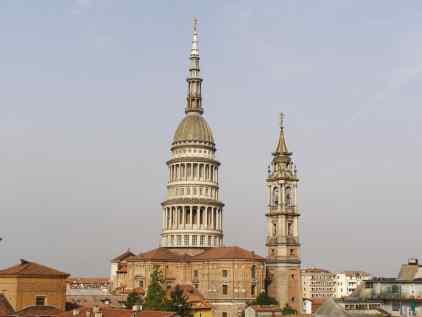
(191, 248)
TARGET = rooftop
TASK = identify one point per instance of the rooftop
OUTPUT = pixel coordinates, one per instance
(27, 268)
(114, 312)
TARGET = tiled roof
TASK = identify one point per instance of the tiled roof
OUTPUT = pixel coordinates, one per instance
(33, 311)
(161, 254)
(221, 253)
(331, 309)
(193, 295)
(27, 268)
(266, 309)
(228, 253)
(139, 290)
(115, 312)
(5, 308)
(123, 256)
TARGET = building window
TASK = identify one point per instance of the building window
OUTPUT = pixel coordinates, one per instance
(225, 289)
(289, 228)
(141, 284)
(253, 272)
(275, 196)
(209, 241)
(40, 300)
(253, 290)
(224, 314)
(225, 273)
(194, 240)
(179, 241)
(195, 273)
(202, 241)
(196, 285)
(186, 240)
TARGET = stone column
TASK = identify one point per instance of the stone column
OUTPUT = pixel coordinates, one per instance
(183, 218)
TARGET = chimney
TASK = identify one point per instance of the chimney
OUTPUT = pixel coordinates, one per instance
(412, 261)
(96, 311)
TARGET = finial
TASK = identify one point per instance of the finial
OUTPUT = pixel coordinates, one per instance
(281, 120)
(195, 24)
(194, 51)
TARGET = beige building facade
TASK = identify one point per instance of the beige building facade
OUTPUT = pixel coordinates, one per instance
(191, 248)
(29, 285)
(318, 283)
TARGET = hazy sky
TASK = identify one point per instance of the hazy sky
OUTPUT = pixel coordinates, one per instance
(93, 90)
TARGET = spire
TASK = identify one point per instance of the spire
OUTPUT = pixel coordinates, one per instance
(194, 51)
(194, 98)
(281, 148)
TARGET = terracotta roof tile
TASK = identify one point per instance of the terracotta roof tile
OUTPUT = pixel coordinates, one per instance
(115, 312)
(123, 256)
(162, 254)
(5, 308)
(33, 311)
(220, 253)
(228, 253)
(194, 296)
(27, 268)
(266, 309)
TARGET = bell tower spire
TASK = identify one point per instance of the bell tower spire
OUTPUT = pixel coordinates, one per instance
(194, 98)
(283, 247)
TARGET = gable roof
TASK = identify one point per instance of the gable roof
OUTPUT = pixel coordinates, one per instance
(27, 268)
(39, 311)
(228, 253)
(5, 308)
(214, 254)
(331, 309)
(123, 256)
(116, 312)
(160, 254)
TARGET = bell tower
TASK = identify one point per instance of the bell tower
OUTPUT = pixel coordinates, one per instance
(282, 242)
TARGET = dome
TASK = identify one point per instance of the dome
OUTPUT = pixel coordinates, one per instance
(193, 128)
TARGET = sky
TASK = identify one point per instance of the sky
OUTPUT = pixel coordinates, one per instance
(92, 92)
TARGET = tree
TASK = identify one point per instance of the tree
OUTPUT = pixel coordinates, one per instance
(179, 303)
(264, 299)
(287, 310)
(156, 296)
(133, 299)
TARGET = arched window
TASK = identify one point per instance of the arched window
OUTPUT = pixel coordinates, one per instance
(275, 196)
(274, 229)
(288, 196)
